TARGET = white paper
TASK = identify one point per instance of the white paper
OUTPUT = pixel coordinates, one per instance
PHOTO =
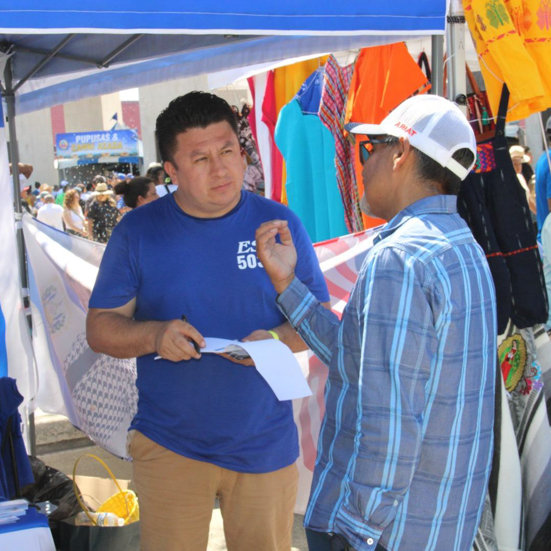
(10, 511)
(14, 504)
(273, 360)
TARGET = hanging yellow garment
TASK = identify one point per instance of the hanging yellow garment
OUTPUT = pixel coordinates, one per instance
(287, 82)
(513, 41)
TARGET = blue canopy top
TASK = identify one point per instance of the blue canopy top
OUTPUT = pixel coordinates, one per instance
(60, 54)
(213, 16)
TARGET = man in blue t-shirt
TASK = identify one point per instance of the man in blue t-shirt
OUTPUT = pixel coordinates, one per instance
(206, 427)
(543, 184)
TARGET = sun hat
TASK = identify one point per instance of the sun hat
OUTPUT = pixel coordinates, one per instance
(63, 183)
(45, 187)
(101, 189)
(517, 152)
(433, 125)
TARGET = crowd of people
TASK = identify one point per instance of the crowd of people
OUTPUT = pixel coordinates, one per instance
(93, 209)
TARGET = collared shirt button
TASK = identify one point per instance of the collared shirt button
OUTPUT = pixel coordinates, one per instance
(369, 541)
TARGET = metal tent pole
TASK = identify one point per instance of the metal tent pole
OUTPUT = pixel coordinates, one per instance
(9, 97)
(455, 42)
(437, 62)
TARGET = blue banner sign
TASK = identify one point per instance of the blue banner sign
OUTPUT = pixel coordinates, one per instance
(93, 145)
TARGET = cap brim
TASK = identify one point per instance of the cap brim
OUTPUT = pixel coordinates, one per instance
(521, 158)
(369, 129)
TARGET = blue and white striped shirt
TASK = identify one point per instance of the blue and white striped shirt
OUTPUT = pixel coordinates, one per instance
(405, 447)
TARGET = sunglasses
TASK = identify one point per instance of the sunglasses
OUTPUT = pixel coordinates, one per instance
(366, 147)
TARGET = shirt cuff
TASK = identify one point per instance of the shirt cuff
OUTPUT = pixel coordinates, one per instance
(295, 302)
(355, 529)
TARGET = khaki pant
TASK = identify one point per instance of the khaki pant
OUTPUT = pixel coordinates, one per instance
(176, 496)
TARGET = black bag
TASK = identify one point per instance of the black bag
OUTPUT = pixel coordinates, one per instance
(53, 486)
(494, 205)
(99, 538)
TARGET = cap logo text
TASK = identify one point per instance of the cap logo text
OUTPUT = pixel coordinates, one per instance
(406, 129)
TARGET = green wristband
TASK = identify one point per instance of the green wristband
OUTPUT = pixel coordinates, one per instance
(274, 335)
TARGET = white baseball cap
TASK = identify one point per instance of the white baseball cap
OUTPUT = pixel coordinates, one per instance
(433, 125)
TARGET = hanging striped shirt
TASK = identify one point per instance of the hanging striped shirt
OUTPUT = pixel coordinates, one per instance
(405, 447)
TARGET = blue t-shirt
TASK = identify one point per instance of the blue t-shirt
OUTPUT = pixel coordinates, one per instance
(543, 191)
(309, 151)
(209, 409)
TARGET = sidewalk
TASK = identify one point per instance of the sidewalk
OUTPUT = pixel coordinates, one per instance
(59, 445)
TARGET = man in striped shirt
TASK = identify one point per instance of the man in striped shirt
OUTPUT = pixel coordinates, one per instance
(405, 448)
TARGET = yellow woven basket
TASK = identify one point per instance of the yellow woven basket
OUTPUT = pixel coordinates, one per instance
(124, 503)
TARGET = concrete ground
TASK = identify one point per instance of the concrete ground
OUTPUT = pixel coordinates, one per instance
(59, 445)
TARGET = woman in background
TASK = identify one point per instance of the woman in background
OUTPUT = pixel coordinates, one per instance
(72, 214)
(103, 214)
(137, 192)
(157, 173)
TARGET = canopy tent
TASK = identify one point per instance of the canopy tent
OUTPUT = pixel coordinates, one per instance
(64, 55)
(186, 17)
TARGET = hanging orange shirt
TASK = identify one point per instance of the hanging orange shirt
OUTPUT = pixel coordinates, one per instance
(287, 82)
(384, 76)
(513, 41)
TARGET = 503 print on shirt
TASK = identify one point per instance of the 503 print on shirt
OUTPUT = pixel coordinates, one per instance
(246, 255)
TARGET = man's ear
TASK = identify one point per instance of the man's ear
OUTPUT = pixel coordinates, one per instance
(170, 169)
(402, 155)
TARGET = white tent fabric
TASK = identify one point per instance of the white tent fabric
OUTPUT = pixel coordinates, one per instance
(15, 344)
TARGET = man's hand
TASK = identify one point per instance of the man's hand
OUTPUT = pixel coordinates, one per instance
(278, 259)
(172, 341)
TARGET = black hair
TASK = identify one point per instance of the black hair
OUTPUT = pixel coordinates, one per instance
(137, 187)
(154, 172)
(194, 110)
(434, 173)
